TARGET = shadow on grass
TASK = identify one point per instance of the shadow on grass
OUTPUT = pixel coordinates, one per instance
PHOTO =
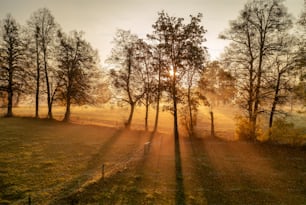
(180, 192)
(105, 147)
(208, 178)
(93, 165)
(120, 187)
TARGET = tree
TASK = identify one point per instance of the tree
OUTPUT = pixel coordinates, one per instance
(176, 40)
(159, 63)
(282, 66)
(127, 78)
(77, 63)
(300, 88)
(195, 64)
(35, 47)
(44, 29)
(253, 40)
(144, 57)
(11, 60)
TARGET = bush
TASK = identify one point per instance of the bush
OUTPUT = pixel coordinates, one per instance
(284, 132)
(244, 130)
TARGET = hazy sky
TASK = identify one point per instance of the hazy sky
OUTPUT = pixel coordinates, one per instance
(100, 19)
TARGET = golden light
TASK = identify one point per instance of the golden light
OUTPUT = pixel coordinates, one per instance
(171, 71)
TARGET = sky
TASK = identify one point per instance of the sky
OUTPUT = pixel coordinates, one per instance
(100, 19)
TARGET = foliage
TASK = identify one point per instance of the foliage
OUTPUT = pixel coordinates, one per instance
(285, 132)
(43, 28)
(254, 38)
(77, 71)
(244, 129)
(127, 78)
(12, 59)
(183, 56)
(300, 89)
(217, 85)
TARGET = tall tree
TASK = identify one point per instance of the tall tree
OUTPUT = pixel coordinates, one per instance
(11, 60)
(77, 63)
(44, 29)
(175, 39)
(159, 66)
(300, 88)
(253, 40)
(35, 47)
(144, 57)
(282, 66)
(127, 78)
(196, 58)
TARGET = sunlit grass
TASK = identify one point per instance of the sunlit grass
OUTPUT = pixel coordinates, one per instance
(42, 159)
(49, 159)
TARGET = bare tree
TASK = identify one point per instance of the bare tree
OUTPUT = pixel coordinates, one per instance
(144, 57)
(279, 77)
(175, 39)
(35, 47)
(196, 59)
(44, 29)
(159, 66)
(11, 60)
(77, 70)
(127, 79)
(300, 88)
(253, 40)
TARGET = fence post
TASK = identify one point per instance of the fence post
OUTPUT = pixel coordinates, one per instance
(103, 169)
(29, 200)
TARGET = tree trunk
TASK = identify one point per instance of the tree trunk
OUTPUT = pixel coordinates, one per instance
(157, 103)
(212, 125)
(67, 113)
(175, 121)
(10, 91)
(129, 121)
(190, 110)
(156, 114)
(258, 86)
(9, 102)
(47, 82)
(37, 80)
(275, 101)
(147, 112)
(176, 133)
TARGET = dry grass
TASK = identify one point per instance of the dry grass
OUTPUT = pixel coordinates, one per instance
(57, 163)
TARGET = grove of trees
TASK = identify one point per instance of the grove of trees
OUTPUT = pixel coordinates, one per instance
(262, 56)
(40, 58)
(262, 67)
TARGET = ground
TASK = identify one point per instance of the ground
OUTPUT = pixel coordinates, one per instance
(58, 163)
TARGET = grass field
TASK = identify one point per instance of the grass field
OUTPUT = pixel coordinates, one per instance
(61, 163)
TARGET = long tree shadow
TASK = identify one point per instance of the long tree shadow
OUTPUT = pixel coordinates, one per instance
(223, 177)
(93, 165)
(141, 167)
(207, 176)
(104, 148)
(180, 192)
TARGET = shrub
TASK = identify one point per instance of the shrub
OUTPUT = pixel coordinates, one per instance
(284, 132)
(244, 130)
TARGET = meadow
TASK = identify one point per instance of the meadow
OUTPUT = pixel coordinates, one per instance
(50, 162)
